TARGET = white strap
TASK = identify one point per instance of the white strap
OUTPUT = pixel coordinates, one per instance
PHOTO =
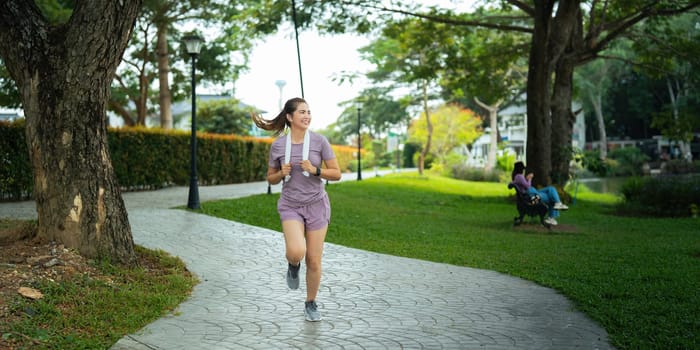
(305, 150)
(288, 151)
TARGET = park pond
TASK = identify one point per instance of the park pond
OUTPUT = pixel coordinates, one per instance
(611, 185)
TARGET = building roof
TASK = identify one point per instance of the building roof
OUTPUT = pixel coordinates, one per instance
(183, 107)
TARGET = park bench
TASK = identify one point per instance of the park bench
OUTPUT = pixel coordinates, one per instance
(528, 204)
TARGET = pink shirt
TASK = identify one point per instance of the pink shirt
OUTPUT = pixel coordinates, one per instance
(301, 190)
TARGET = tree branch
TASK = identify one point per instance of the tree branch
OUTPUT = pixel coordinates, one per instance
(27, 44)
(616, 28)
(523, 6)
(633, 63)
(445, 20)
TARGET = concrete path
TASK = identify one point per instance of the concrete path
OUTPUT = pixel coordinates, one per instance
(367, 300)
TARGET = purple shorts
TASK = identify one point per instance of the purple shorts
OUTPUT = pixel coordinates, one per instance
(315, 215)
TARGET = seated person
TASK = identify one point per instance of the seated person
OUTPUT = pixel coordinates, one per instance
(547, 194)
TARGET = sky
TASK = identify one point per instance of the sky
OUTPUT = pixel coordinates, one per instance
(322, 58)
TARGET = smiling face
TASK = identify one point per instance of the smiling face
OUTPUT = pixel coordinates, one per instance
(301, 118)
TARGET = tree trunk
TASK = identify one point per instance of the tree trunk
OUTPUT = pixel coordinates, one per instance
(429, 125)
(64, 75)
(165, 101)
(538, 87)
(597, 102)
(141, 100)
(119, 109)
(493, 124)
(563, 119)
(551, 37)
(674, 94)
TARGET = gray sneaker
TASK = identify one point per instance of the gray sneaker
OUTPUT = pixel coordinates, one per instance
(293, 276)
(311, 311)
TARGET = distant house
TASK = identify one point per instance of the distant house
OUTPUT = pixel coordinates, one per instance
(9, 115)
(512, 125)
(182, 110)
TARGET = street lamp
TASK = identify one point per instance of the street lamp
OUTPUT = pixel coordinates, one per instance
(194, 45)
(359, 144)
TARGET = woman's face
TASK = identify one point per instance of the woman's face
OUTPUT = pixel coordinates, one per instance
(301, 118)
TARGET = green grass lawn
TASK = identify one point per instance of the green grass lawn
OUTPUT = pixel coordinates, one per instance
(637, 277)
(89, 311)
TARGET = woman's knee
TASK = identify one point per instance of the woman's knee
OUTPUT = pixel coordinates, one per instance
(295, 255)
(313, 263)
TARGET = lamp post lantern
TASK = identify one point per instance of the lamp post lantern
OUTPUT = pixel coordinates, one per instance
(359, 144)
(194, 45)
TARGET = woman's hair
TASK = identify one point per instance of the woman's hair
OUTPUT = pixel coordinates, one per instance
(518, 168)
(280, 122)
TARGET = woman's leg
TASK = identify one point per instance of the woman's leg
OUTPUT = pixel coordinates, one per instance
(314, 253)
(550, 196)
(295, 245)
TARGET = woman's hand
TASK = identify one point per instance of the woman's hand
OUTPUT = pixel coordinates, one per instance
(286, 169)
(308, 167)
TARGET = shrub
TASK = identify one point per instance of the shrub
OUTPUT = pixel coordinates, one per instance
(629, 161)
(463, 172)
(591, 161)
(678, 166)
(664, 196)
(505, 161)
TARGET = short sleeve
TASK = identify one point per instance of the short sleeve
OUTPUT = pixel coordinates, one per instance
(326, 149)
(276, 153)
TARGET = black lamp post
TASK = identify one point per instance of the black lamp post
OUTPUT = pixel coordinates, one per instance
(359, 144)
(194, 45)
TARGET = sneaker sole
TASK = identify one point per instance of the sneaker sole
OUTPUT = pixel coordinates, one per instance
(308, 319)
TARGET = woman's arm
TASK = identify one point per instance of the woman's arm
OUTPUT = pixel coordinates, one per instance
(332, 170)
(275, 175)
(522, 183)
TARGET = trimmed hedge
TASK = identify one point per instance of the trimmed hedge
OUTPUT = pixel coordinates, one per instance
(147, 159)
(16, 176)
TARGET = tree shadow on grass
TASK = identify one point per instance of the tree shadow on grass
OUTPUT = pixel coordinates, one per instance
(536, 227)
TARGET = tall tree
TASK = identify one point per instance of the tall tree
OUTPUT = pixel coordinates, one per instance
(409, 52)
(454, 126)
(565, 34)
(669, 51)
(151, 52)
(379, 112)
(227, 116)
(133, 86)
(489, 68)
(576, 34)
(592, 81)
(63, 73)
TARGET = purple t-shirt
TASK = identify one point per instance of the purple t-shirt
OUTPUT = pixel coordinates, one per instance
(301, 190)
(522, 183)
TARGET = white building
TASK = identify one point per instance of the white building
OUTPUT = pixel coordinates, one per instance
(512, 125)
(10, 114)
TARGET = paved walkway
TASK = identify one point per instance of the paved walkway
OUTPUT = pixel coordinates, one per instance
(367, 300)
